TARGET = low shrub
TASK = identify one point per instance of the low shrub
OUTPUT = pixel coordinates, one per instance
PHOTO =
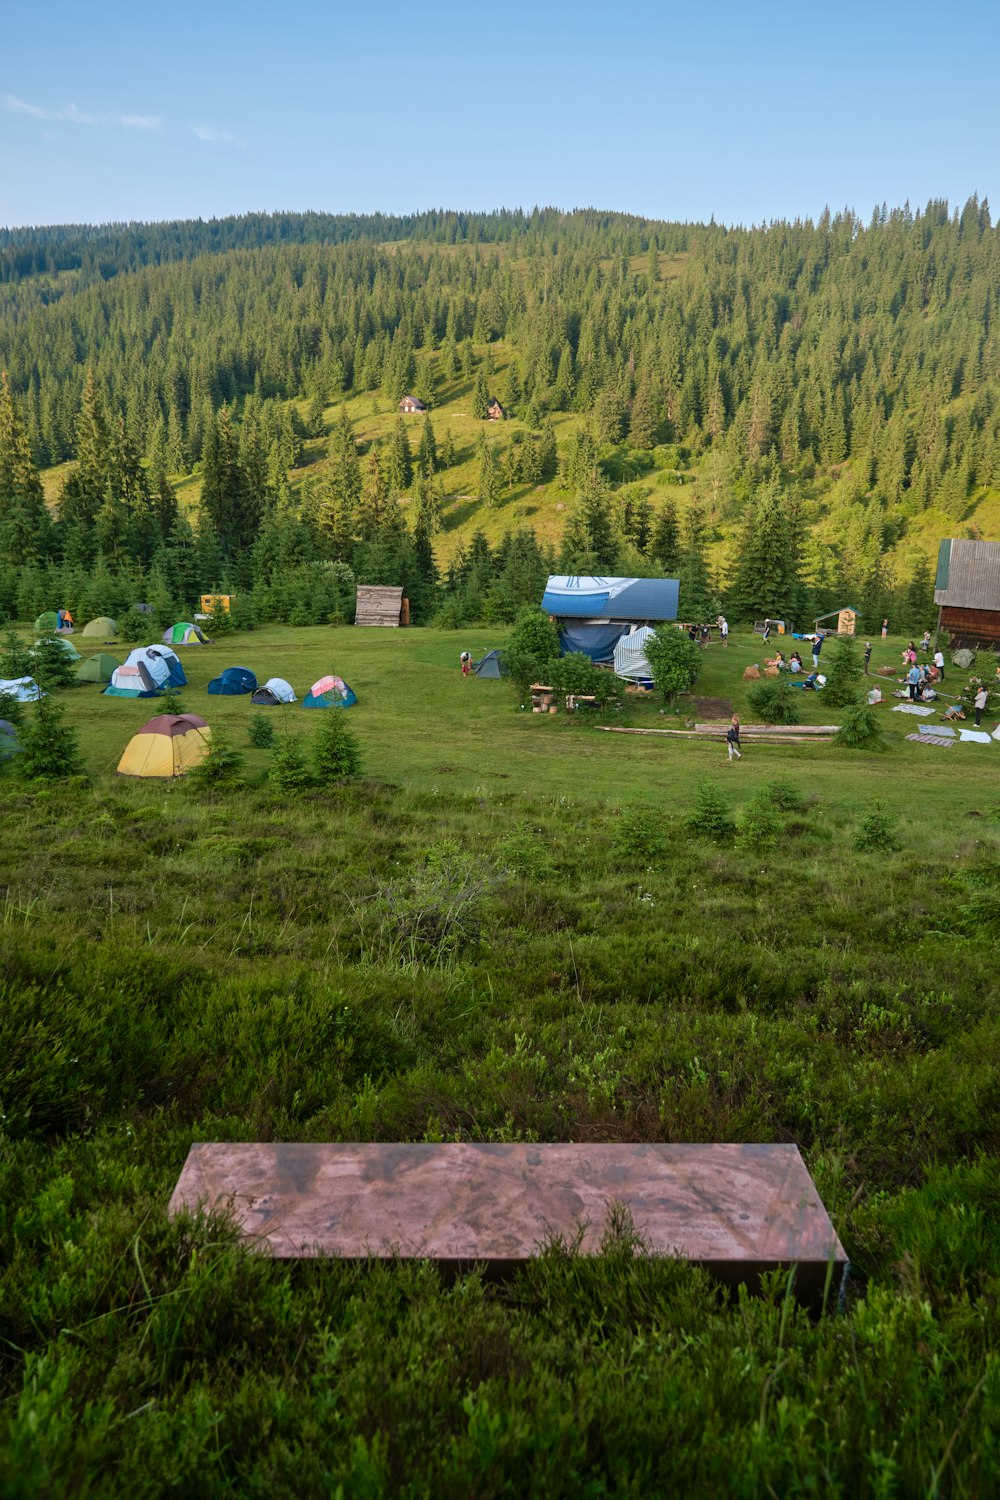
(710, 816)
(861, 728)
(135, 625)
(336, 755)
(288, 773)
(171, 701)
(876, 833)
(222, 766)
(638, 835)
(260, 731)
(759, 827)
(781, 794)
(525, 854)
(775, 701)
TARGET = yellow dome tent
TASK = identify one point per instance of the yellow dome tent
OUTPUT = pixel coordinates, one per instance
(168, 745)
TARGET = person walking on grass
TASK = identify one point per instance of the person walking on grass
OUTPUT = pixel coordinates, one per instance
(939, 663)
(979, 703)
(733, 739)
(868, 655)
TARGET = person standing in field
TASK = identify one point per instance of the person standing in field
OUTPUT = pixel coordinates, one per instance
(767, 630)
(939, 663)
(723, 630)
(913, 679)
(979, 703)
(817, 648)
(868, 655)
(885, 628)
(733, 739)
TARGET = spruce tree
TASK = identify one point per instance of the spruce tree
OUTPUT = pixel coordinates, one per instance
(399, 464)
(480, 397)
(697, 600)
(644, 417)
(23, 517)
(665, 545)
(489, 477)
(427, 461)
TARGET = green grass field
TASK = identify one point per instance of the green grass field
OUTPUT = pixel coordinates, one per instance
(506, 930)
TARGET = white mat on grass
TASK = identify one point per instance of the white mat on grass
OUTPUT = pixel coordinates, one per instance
(912, 708)
(979, 736)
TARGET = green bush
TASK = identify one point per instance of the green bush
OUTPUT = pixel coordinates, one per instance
(288, 774)
(576, 673)
(336, 755)
(781, 794)
(638, 835)
(532, 653)
(135, 625)
(222, 765)
(525, 854)
(775, 701)
(16, 659)
(220, 623)
(876, 833)
(759, 827)
(710, 816)
(171, 701)
(861, 728)
(260, 731)
(674, 661)
(50, 751)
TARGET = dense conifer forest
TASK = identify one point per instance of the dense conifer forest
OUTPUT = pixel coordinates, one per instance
(787, 417)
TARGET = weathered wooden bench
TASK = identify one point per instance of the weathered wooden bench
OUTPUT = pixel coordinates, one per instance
(739, 1210)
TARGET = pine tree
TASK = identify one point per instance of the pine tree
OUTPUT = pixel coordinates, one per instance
(644, 418)
(23, 517)
(399, 464)
(316, 417)
(489, 477)
(665, 545)
(448, 453)
(548, 457)
(480, 397)
(697, 600)
(427, 461)
(765, 580)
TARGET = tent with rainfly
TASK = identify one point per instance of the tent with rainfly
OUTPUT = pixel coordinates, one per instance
(144, 673)
(490, 666)
(167, 745)
(101, 629)
(97, 668)
(184, 634)
(233, 682)
(330, 692)
(66, 647)
(274, 692)
(21, 689)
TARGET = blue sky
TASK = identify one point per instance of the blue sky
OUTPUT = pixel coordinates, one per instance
(746, 113)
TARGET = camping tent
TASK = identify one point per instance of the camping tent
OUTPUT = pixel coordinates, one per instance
(185, 634)
(144, 673)
(47, 622)
(168, 745)
(173, 661)
(233, 682)
(98, 668)
(9, 742)
(329, 692)
(274, 692)
(21, 689)
(490, 666)
(101, 629)
(630, 655)
(66, 647)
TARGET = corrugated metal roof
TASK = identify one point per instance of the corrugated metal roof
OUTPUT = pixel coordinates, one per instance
(968, 575)
(611, 598)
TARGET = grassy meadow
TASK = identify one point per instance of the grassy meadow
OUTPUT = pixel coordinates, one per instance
(507, 929)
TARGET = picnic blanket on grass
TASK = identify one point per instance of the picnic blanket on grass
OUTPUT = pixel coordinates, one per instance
(978, 736)
(912, 708)
(932, 739)
(943, 731)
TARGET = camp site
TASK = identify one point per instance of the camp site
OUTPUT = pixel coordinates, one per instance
(499, 858)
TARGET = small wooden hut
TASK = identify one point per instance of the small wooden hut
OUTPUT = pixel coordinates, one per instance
(381, 606)
(967, 592)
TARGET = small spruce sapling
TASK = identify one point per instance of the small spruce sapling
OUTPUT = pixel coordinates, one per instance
(876, 833)
(861, 728)
(288, 774)
(710, 816)
(336, 755)
(844, 675)
(221, 767)
(50, 750)
(260, 732)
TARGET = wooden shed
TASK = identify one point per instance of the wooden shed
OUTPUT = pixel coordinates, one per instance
(967, 590)
(495, 412)
(412, 404)
(381, 606)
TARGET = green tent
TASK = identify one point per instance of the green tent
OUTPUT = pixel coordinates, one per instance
(47, 622)
(97, 668)
(101, 629)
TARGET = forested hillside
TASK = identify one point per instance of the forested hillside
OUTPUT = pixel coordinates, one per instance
(788, 416)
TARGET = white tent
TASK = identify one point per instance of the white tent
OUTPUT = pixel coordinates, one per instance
(630, 656)
(275, 690)
(22, 689)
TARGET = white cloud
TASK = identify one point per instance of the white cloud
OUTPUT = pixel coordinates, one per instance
(223, 137)
(141, 122)
(70, 114)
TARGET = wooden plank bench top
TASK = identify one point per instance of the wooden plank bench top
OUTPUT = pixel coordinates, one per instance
(737, 1209)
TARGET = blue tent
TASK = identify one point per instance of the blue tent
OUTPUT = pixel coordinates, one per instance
(233, 682)
(592, 613)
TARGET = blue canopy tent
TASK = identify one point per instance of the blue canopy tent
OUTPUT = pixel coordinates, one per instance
(592, 614)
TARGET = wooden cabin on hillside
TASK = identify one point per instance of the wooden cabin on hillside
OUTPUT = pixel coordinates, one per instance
(967, 590)
(411, 404)
(495, 412)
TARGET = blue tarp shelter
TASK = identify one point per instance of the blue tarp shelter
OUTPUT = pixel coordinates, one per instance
(592, 614)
